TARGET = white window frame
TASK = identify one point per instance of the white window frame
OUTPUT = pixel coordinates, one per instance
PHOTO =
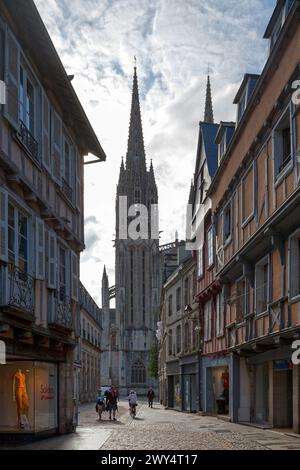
(208, 321)
(210, 247)
(258, 283)
(243, 99)
(280, 175)
(223, 145)
(227, 239)
(200, 267)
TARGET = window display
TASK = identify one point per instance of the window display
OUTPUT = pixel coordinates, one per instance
(28, 392)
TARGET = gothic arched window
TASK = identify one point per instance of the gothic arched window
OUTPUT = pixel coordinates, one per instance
(138, 373)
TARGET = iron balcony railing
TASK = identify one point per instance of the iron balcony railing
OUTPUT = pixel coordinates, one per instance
(60, 310)
(28, 141)
(16, 289)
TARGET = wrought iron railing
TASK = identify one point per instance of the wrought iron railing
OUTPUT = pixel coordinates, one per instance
(16, 289)
(28, 141)
(67, 190)
(60, 310)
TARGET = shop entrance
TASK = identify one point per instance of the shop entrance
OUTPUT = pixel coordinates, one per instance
(261, 398)
(190, 393)
(283, 394)
(218, 390)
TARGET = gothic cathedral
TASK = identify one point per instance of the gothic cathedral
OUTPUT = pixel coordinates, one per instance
(137, 261)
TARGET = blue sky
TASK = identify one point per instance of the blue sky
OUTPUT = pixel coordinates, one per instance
(174, 41)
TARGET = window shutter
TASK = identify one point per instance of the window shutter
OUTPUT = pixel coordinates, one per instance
(40, 249)
(78, 180)
(51, 260)
(3, 225)
(11, 108)
(46, 133)
(74, 275)
(56, 146)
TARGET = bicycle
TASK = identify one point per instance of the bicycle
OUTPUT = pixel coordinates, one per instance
(133, 410)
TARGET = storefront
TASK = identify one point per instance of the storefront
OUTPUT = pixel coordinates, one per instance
(190, 380)
(29, 397)
(216, 386)
(174, 385)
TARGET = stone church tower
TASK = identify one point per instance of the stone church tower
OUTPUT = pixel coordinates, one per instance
(137, 261)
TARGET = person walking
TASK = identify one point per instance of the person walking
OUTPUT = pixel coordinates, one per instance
(112, 402)
(150, 396)
(100, 405)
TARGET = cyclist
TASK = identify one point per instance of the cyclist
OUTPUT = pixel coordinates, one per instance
(132, 399)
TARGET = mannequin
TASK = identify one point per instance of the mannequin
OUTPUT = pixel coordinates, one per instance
(20, 396)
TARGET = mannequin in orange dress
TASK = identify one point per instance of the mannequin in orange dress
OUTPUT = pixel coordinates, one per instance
(20, 395)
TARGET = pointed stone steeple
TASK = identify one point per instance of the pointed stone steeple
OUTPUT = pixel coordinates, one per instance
(208, 114)
(105, 289)
(122, 175)
(135, 151)
(191, 195)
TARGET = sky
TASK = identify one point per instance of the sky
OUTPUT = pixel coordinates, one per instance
(175, 42)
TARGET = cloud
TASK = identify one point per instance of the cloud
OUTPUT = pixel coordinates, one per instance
(174, 42)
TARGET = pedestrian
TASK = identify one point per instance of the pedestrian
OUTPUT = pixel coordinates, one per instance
(112, 402)
(100, 405)
(132, 400)
(150, 396)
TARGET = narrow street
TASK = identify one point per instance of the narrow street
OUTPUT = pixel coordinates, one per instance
(160, 429)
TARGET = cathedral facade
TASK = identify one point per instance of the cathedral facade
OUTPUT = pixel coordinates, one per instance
(131, 329)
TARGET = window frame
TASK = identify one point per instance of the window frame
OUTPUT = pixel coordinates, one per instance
(220, 314)
(209, 247)
(294, 239)
(227, 240)
(280, 175)
(208, 320)
(200, 262)
(262, 262)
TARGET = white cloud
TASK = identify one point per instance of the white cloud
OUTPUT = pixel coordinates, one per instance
(174, 42)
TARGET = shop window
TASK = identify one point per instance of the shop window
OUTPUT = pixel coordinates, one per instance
(178, 299)
(282, 146)
(262, 285)
(227, 224)
(207, 320)
(35, 398)
(294, 274)
(170, 305)
(178, 339)
(200, 262)
(210, 247)
(220, 314)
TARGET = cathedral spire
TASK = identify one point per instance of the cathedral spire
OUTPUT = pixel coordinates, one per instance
(105, 289)
(135, 151)
(208, 114)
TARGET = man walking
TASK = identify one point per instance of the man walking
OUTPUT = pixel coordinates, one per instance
(112, 402)
(150, 396)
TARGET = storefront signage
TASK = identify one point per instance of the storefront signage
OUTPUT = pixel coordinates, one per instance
(47, 392)
(282, 365)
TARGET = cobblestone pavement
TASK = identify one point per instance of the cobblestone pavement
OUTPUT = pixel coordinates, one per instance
(160, 429)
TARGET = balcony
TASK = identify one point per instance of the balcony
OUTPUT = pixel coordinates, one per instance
(16, 289)
(28, 141)
(59, 311)
(67, 190)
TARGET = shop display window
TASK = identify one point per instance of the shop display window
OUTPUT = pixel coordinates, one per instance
(28, 392)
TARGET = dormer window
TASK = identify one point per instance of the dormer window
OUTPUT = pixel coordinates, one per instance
(277, 21)
(242, 105)
(222, 147)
